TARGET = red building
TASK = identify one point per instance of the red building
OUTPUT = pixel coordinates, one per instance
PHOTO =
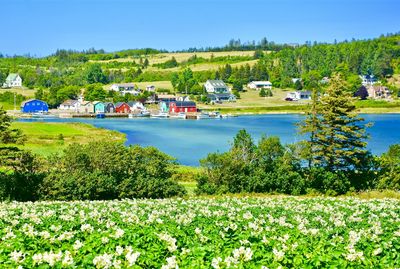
(122, 107)
(182, 106)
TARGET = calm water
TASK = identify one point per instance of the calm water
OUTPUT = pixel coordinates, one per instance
(191, 140)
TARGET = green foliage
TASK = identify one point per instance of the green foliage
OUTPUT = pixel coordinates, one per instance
(9, 135)
(94, 74)
(106, 170)
(56, 95)
(20, 176)
(184, 82)
(389, 172)
(168, 64)
(337, 137)
(266, 167)
(262, 93)
(8, 97)
(95, 92)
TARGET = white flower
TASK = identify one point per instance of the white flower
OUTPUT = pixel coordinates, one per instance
(117, 264)
(103, 261)
(119, 233)
(119, 250)
(377, 251)
(87, 228)
(68, 260)
(197, 231)
(215, 262)
(230, 261)
(77, 245)
(171, 263)
(37, 259)
(278, 254)
(242, 253)
(17, 256)
(171, 242)
(105, 240)
(132, 257)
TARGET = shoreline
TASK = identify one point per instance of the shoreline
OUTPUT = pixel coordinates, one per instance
(228, 111)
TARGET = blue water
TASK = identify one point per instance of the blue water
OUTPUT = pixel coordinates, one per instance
(191, 140)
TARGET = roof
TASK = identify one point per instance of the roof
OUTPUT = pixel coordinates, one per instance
(69, 102)
(30, 100)
(166, 96)
(12, 76)
(132, 103)
(108, 103)
(216, 83)
(261, 82)
(85, 103)
(184, 103)
(120, 104)
(124, 84)
(219, 95)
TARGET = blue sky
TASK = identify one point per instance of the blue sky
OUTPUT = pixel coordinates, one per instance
(39, 27)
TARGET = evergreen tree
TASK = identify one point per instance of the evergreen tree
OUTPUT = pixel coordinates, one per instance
(337, 135)
(262, 93)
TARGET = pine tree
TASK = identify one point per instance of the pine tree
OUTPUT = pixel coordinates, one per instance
(262, 93)
(337, 134)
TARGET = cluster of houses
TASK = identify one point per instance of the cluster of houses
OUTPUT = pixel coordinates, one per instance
(81, 106)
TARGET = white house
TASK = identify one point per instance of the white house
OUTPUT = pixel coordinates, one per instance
(378, 92)
(216, 86)
(299, 95)
(136, 106)
(150, 88)
(122, 87)
(13, 80)
(368, 80)
(185, 98)
(221, 97)
(260, 85)
(70, 105)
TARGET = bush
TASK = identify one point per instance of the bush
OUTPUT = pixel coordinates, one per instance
(108, 170)
(246, 167)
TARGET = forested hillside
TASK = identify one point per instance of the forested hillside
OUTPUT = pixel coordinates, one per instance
(62, 74)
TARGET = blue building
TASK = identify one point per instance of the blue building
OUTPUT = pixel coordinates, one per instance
(33, 106)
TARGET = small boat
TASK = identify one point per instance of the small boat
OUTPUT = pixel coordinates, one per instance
(43, 115)
(180, 115)
(160, 115)
(100, 115)
(203, 116)
(142, 113)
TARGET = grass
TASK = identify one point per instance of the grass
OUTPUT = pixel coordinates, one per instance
(30, 93)
(45, 138)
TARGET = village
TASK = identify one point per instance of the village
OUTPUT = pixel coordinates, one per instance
(167, 105)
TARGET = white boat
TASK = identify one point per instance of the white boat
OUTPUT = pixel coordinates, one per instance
(160, 115)
(203, 116)
(180, 115)
(143, 113)
(42, 115)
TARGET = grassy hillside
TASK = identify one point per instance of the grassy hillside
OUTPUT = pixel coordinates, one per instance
(46, 138)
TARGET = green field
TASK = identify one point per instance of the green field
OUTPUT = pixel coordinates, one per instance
(202, 232)
(47, 138)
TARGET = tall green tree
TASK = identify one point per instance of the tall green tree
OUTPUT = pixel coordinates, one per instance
(94, 74)
(337, 139)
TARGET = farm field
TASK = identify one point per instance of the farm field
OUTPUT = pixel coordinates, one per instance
(265, 232)
(45, 138)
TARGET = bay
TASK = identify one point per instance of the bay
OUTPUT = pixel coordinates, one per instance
(191, 140)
